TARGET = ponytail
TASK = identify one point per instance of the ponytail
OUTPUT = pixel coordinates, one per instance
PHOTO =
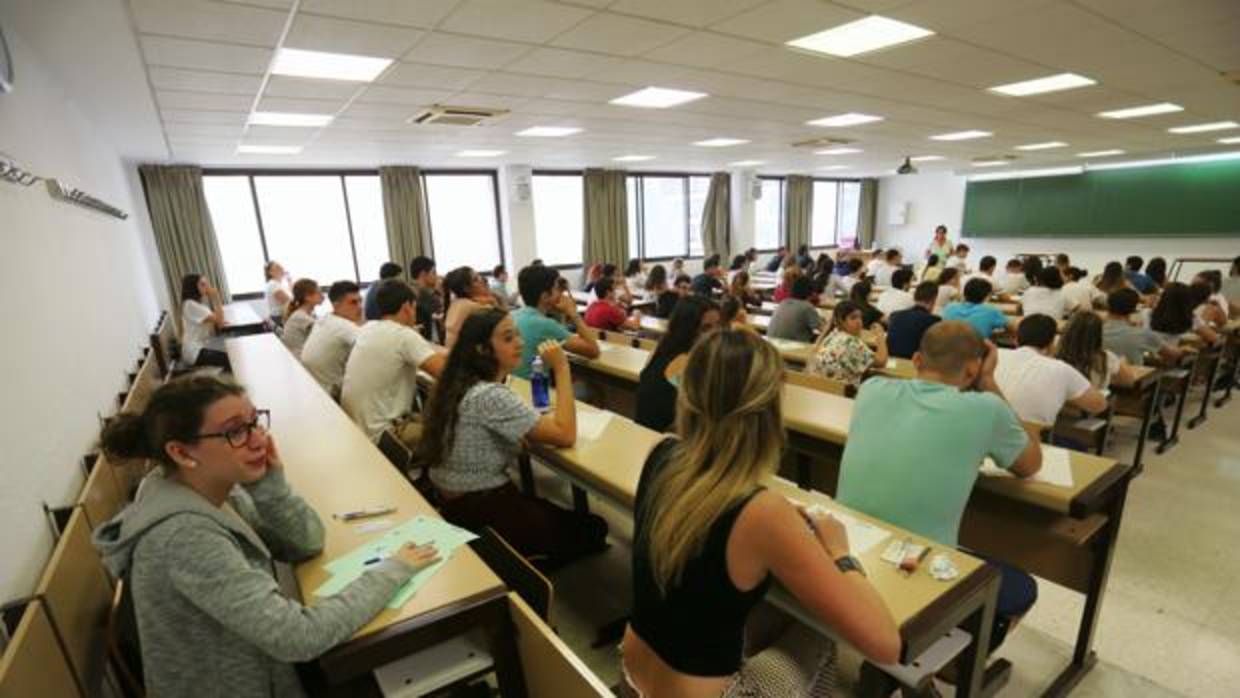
(174, 413)
(302, 290)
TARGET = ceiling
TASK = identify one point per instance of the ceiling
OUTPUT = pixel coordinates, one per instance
(558, 64)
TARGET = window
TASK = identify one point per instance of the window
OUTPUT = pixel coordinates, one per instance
(823, 220)
(305, 226)
(665, 215)
(699, 188)
(236, 228)
(559, 218)
(464, 217)
(849, 212)
(768, 232)
(365, 200)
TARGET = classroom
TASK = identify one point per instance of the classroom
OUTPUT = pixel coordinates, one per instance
(635, 348)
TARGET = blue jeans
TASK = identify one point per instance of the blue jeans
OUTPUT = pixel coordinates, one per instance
(1018, 591)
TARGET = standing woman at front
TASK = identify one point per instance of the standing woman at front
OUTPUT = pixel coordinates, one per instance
(709, 537)
(940, 246)
(299, 316)
(276, 293)
(197, 544)
(202, 315)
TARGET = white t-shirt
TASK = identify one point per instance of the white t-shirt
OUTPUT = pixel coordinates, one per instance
(874, 265)
(1041, 300)
(846, 283)
(196, 329)
(297, 329)
(1082, 295)
(882, 275)
(956, 262)
(327, 349)
(894, 300)
(947, 294)
(274, 307)
(1010, 283)
(1037, 386)
(381, 375)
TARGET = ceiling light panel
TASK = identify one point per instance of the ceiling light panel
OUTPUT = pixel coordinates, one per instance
(961, 135)
(849, 119)
(862, 36)
(746, 163)
(275, 118)
(1100, 153)
(1042, 146)
(268, 149)
(657, 98)
(927, 158)
(838, 151)
(480, 153)
(1053, 83)
(1229, 141)
(633, 158)
(1205, 128)
(720, 142)
(328, 66)
(548, 131)
(1144, 110)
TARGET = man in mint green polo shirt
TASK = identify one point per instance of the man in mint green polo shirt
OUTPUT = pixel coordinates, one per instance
(983, 317)
(540, 295)
(914, 447)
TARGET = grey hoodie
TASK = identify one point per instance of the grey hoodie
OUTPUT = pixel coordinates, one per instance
(211, 619)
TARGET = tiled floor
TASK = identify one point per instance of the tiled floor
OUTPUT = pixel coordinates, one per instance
(1170, 623)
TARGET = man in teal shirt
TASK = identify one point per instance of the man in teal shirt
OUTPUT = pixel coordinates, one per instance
(540, 295)
(983, 317)
(915, 446)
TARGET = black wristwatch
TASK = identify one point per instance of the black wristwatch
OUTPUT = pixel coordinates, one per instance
(848, 563)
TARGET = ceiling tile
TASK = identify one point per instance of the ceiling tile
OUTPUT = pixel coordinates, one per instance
(203, 81)
(200, 19)
(783, 20)
(532, 86)
(204, 55)
(422, 13)
(705, 50)
(393, 112)
(285, 86)
(946, 15)
(464, 51)
(278, 134)
(300, 106)
(184, 116)
(532, 21)
(478, 99)
(561, 63)
(350, 122)
(622, 36)
(174, 130)
(203, 100)
(343, 36)
(422, 75)
(698, 13)
(400, 95)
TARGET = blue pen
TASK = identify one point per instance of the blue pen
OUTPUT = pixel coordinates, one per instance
(372, 561)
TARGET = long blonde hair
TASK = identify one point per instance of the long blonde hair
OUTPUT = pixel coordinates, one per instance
(731, 428)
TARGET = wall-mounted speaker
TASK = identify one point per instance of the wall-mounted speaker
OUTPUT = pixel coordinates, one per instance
(897, 214)
(522, 189)
(755, 188)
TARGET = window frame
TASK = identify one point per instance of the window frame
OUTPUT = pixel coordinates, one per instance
(640, 199)
(560, 173)
(499, 220)
(839, 199)
(783, 215)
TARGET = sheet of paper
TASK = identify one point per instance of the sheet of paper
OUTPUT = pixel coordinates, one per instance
(1056, 468)
(592, 423)
(604, 347)
(862, 535)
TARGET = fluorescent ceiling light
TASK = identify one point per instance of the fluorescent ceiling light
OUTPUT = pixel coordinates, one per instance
(268, 149)
(1042, 146)
(1053, 83)
(549, 131)
(1229, 141)
(275, 118)
(991, 163)
(862, 36)
(1100, 153)
(834, 167)
(1203, 128)
(720, 142)
(480, 153)
(927, 158)
(1147, 110)
(633, 158)
(746, 163)
(328, 66)
(657, 98)
(961, 135)
(1212, 157)
(838, 151)
(1028, 174)
(849, 119)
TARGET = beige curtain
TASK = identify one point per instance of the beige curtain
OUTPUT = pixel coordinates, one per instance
(184, 235)
(868, 214)
(717, 216)
(404, 209)
(798, 207)
(606, 236)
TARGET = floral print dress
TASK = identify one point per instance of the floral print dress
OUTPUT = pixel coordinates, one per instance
(842, 357)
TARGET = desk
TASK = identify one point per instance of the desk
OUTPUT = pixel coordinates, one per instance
(331, 463)
(240, 319)
(1139, 400)
(794, 352)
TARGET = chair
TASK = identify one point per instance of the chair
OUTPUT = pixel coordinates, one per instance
(124, 652)
(397, 453)
(516, 571)
(816, 382)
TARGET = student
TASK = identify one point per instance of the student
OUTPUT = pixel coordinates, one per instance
(1013, 280)
(949, 288)
(1112, 279)
(854, 271)
(940, 246)
(1122, 335)
(707, 283)
(733, 316)
(381, 374)
(1047, 297)
(299, 315)
(387, 270)
(611, 271)
(737, 266)
(1175, 315)
(1063, 264)
(276, 292)
(197, 545)
(789, 275)
(777, 260)
(803, 259)
(891, 263)
(959, 259)
(202, 315)
(656, 281)
(426, 285)
(741, 290)
(327, 349)
(709, 537)
(905, 328)
(1212, 280)
(1140, 281)
(1081, 347)
(877, 261)
(914, 447)
(635, 275)
(539, 296)
(985, 270)
(1230, 288)
(666, 302)
(678, 268)
(1036, 384)
(498, 286)
(860, 295)
(475, 425)
(465, 293)
(985, 319)
(1157, 271)
(897, 297)
(841, 354)
(751, 259)
(607, 314)
(656, 388)
(593, 274)
(1080, 294)
(796, 318)
(932, 269)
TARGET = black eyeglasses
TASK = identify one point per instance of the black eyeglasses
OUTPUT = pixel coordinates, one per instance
(240, 435)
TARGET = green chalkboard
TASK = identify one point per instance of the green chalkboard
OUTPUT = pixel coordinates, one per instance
(1189, 200)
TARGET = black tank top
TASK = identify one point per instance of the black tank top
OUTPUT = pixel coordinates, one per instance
(697, 628)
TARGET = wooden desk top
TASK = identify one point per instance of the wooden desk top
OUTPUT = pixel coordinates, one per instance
(241, 314)
(331, 463)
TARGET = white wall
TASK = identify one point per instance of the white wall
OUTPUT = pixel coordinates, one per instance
(939, 198)
(80, 302)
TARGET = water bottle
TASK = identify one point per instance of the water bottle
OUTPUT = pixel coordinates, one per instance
(539, 389)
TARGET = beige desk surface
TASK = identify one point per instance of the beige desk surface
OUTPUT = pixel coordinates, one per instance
(241, 313)
(331, 463)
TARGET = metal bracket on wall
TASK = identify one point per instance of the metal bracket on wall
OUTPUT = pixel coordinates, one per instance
(10, 171)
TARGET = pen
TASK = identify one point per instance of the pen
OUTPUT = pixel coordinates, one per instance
(364, 513)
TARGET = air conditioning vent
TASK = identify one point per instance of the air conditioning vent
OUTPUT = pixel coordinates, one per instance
(1233, 77)
(824, 142)
(444, 115)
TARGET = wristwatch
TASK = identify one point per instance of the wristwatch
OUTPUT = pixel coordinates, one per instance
(848, 563)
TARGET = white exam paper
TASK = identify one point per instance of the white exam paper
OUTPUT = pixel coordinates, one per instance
(1056, 468)
(592, 423)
